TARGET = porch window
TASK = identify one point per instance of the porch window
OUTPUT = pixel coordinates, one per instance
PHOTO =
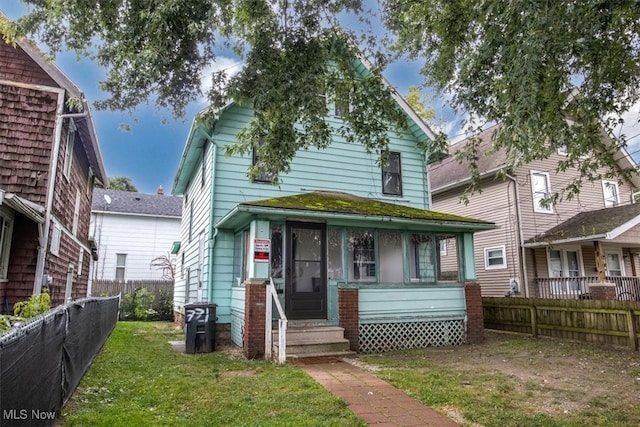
(362, 256)
(276, 251)
(391, 257)
(613, 263)
(494, 258)
(240, 256)
(6, 226)
(392, 175)
(448, 263)
(334, 258)
(422, 252)
(611, 194)
(263, 175)
(541, 190)
(121, 263)
(564, 263)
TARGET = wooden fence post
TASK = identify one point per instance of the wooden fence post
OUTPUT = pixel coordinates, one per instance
(633, 339)
(534, 321)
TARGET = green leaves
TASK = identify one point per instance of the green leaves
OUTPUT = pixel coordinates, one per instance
(551, 73)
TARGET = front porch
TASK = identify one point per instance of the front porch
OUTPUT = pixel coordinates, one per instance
(627, 287)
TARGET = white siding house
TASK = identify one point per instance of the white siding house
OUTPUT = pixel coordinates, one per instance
(130, 229)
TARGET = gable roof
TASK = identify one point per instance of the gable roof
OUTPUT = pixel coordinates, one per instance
(601, 224)
(83, 120)
(337, 205)
(198, 135)
(449, 173)
(129, 202)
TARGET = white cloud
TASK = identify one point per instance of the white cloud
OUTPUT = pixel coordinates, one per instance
(222, 63)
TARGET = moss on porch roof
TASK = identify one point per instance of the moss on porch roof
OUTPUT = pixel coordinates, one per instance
(324, 201)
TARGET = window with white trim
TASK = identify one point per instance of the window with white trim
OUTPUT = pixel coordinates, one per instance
(611, 194)
(362, 255)
(6, 227)
(121, 264)
(541, 190)
(263, 175)
(69, 286)
(68, 154)
(76, 214)
(614, 266)
(495, 258)
(565, 263)
(56, 235)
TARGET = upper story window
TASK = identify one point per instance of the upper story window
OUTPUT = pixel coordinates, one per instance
(611, 194)
(203, 170)
(392, 175)
(56, 235)
(76, 214)
(541, 190)
(341, 102)
(68, 154)
(263, 175)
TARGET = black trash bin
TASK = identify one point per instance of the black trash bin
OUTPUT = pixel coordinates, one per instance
(200, 327)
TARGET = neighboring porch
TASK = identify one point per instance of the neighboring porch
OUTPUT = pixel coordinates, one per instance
(392, 276)
(589, 249)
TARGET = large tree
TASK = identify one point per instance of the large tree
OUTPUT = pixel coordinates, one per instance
(553, 73)
(122, 183)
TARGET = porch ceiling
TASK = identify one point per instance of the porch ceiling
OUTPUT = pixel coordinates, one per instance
(602, 224)
(344, 208)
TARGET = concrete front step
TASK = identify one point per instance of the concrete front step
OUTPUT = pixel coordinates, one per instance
(306, 341)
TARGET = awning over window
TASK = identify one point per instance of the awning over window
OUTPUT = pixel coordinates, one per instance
(29, 209)
(175, 248)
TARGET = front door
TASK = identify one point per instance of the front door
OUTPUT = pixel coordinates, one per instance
(306, 271)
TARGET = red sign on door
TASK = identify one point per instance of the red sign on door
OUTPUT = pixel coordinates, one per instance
(261, 249)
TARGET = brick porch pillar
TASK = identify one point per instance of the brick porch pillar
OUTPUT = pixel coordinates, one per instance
(348, 314)
(254, 318)
(475, 317)
(603, 291)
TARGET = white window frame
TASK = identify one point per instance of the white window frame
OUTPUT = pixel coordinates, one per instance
(76, 214)
(6, 231)
(616, 251)
(56, 236)
(487, 265)
(606, 186)
(68, 155)
(536, 199)
(123, 267)
(69, 286)
(556, 289)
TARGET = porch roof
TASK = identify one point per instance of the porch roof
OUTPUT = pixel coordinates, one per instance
(345, 207)
(27, 208)
(601, 224)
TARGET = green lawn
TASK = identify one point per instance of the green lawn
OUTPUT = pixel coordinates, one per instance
(138, 379)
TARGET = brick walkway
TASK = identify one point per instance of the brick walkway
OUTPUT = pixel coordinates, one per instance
(376, 402)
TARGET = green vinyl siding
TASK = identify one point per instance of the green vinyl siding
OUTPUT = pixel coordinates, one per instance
(439, 302)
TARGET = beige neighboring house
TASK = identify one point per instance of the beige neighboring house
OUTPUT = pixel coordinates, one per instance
(539, 251)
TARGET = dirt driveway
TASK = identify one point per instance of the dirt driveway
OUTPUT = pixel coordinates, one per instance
(546, 376)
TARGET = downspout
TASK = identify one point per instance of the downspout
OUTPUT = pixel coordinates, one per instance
(523, 258)
(213, 233)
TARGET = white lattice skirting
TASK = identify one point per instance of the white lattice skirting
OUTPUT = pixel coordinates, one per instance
(382, 337)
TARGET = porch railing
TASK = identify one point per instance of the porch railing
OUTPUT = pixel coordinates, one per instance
(272, 294)
(627, 288)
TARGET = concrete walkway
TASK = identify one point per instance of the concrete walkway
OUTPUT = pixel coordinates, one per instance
(375, 401)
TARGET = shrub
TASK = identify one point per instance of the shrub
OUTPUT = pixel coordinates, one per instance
(138, 306)
(164, 306)
(37, 304)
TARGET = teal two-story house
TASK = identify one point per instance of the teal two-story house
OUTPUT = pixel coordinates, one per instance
(338, 224)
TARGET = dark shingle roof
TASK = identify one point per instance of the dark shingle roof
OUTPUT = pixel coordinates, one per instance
(589, 224)
(450, 171)
(136, 203)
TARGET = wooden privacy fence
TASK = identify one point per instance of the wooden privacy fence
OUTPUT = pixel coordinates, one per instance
(610, 322)
(115, 287)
